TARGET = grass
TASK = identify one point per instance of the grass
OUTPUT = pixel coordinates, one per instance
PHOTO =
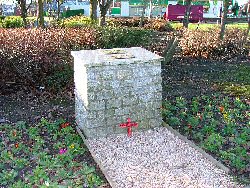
(218, 124)
(234, 81)
(42, 155)
(206, 26)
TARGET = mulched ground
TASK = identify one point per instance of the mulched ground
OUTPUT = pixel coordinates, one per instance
(182, 77)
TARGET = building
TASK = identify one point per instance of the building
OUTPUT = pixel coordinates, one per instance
(156, 8)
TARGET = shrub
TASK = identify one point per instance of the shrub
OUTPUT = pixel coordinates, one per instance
(61, 78)
(159, 25)
(36, 55)
(125, 22)
(112, 37)
(154, 23)
(214, 142)
(12, 22)
(1, 20)
(206, 44)
(2, 17)
(41, 57)
(77, 21)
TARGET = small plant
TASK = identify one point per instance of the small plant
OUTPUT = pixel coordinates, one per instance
(35, 159)
(174, 121)
(77, 21)
(214, 142)
(219, 124)
(12, 22)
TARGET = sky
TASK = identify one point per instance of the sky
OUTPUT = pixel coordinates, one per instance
(242, 2)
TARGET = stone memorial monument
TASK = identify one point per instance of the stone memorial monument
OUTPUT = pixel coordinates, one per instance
(112, 85)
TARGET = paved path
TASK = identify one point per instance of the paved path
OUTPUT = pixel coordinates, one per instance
(156, 159)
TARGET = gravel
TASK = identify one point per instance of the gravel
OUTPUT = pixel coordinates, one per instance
(155, 158)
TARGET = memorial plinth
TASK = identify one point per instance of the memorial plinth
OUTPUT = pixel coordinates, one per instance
(116, 84)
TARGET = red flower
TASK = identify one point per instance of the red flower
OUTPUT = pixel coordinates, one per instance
(64, 125)
(221, 109)
(189, 126)
(16, 145)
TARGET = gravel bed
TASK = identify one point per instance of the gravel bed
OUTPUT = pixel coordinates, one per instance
(155, 158)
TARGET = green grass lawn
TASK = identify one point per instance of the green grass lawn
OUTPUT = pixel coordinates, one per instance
(234, 81)
(206, 26)
(44, 155)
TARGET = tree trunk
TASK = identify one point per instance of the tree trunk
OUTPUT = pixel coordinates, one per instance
(103, 16)
(23, 12)
(142, 15)
(40, 13)
(104, 6)
(248, 19)
(93, 10)
(224, 19)
(245, 41)
(58, 10)
(170, 50)
(187, 14)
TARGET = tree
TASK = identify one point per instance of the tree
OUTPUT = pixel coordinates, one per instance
(59, 3)
(24, 10)
(93, 10)
(104, 6)
(144, 5)
(40, 15)
(248, 19)
(187, 13)
(247, 10)
(224, 18)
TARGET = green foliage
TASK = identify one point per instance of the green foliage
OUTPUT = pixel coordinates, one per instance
(207, 27)
(61, 78)
(34, 159)
(173, 121)
(7, 176)
(1, 20)
(12, 22)
(71, 13)
(125, 22)
(111, 37)
(235, 89)
(219, 124)
(234, 81)
(154, 24)
(77, 21)
(214, 142)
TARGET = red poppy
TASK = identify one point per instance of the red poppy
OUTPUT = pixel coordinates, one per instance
(221, 109)
(64, 125)
(16, 145)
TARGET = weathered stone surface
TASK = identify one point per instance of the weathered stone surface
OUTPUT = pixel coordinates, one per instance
(109, 90)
